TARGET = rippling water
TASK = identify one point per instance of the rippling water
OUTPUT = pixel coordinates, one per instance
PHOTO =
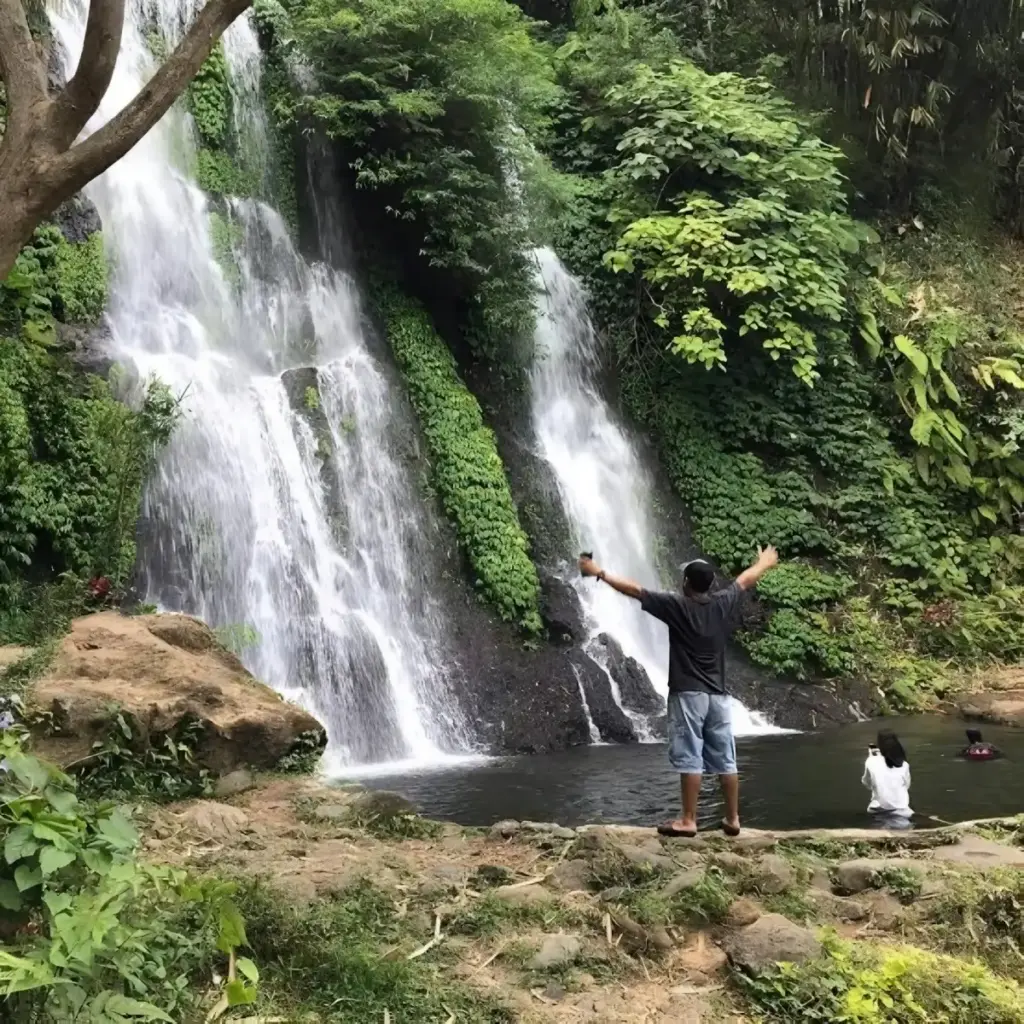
(788, 781)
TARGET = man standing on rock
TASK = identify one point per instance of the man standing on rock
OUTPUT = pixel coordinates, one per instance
(699, 622)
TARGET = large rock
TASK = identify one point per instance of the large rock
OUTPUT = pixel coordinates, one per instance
(853, 876)
(770, 940)
(611, 722)
(162, 671)
(1004, 707)
(635, 689)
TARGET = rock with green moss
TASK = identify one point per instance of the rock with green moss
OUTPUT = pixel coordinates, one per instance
(468, 470)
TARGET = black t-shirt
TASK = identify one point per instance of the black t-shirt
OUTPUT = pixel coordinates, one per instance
(697, 630)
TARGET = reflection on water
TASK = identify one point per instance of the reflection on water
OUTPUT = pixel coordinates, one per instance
(794, 781)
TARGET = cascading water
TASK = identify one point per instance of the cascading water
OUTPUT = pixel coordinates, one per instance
(281, 508)
(605, 490)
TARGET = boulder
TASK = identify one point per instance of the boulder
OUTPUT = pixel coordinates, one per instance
(164, 672)
(853, 876)
(646, 858)
(838, 906)
(773, 875)
(611, 722)
(769, 940)
(635, 689)
(380, 805)
(208, 819)
(505, 829)
(732, 863)
(742, 912)
(561, 610)
(555, 951)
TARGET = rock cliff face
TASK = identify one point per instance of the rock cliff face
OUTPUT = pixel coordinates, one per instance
(161, 671)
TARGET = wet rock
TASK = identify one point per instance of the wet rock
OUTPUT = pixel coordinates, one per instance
(742, 912)
(769, 940)
(773, 875)
(683, 880)
(77, 219)
(505, 829)
(561, 610)
(555, 951)
(571, 876)
(635, 689)
(87, 346)
(613, 724)
(233, 783)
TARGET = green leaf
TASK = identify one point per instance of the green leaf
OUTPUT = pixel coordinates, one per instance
(913, 353)
(19, 844)
(248, 969)
(27, 876)
(231, 928)
(52, 859)
(10, 897)
(126, 1007)
(61, 800)
(119, 831)
(239, 994)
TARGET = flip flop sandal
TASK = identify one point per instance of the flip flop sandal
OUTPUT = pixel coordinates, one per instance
(730, 830)
(668, 829)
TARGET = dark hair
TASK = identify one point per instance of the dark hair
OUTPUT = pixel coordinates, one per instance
(698, 576)
(974, 736)
(891, 749)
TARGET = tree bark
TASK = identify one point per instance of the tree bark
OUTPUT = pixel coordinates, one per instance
(40, 163)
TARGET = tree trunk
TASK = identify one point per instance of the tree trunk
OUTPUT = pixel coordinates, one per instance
(40, 164)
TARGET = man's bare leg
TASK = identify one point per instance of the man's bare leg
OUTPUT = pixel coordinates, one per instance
(731, 794)
(689, 786)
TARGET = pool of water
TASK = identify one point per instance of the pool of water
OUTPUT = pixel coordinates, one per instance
(787, 781)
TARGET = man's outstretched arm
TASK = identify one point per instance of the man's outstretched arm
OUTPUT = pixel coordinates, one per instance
(767, 558)
(588, 567)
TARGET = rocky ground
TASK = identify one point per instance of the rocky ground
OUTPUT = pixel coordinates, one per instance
(600, 923)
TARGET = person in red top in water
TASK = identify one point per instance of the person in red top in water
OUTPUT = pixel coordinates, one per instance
(977, 749)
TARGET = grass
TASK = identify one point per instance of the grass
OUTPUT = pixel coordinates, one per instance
(707, 902)
(490, 915)
(903, 883)
(328, 959)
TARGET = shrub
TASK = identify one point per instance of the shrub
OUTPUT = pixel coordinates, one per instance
(467, 468)
(90, 932)
(81, 272)
(209, 98)
(859, 982)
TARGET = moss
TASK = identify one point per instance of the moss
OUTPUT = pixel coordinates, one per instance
(225, 236)
(468, 470)
(82, 273)
(209, 98)
(218, 173)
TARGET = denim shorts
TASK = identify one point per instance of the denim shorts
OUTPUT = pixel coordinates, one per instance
(700, 736)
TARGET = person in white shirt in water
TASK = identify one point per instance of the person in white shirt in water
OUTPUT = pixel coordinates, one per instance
(887, 775)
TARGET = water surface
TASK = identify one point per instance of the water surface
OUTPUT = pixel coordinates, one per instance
(788, 781)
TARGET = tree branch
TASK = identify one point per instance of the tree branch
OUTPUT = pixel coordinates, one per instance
(94, 155)
(82, 95)
(22, 72)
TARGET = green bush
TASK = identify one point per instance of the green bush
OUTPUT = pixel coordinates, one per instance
(219, 173)
(71, 468)
(467, 468)
(868, 984)
(81, 272)
(90, 932)
(430, 98)
(209, 99)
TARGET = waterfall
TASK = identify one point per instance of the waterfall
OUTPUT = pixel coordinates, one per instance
(283, 508)
(605, 490)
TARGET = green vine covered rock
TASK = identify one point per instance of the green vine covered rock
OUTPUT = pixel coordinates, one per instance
(467, 468)
(209, 99)
(82, 273)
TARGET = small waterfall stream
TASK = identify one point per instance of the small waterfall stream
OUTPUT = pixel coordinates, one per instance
(282, 508)
(605, 490)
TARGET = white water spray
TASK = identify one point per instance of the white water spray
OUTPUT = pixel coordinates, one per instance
(281, 504)
(605, 491)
